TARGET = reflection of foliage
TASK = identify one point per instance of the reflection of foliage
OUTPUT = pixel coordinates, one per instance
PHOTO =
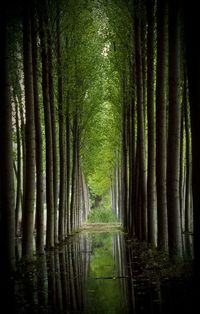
(104, 290)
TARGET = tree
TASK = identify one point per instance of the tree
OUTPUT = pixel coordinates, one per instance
(62, 137)
(141, 131)
(193, 66)
(151, 179)
(29, 198)
(48, 132)
(7, 208)
(161, 122)
(174, 128)
(38, 140)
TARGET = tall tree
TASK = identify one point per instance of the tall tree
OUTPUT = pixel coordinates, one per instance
(174, 131)
(48, 132)
(7, 209)
(38, 141)
(62, 136)
(53, 118)
(161, 122)
(151, 179)
(29, 198)
(141, 126)
(18, 174)
(193, 64)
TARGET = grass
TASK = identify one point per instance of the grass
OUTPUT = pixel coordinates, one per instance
(102, 215)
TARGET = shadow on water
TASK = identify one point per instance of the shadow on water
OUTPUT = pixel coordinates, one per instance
(96, 272)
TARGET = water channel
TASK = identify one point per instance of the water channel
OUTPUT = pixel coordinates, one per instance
(95, 272)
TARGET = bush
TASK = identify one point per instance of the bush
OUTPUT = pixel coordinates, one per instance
(102, 215)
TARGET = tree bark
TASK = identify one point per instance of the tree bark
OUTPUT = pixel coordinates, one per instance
(62, 137)
(38, 143)
(29, 199)
(141, 130)
(193, 63)
(7, 209)
(18, 174)
(174, 128)
(53, 126)
(67, 215)
(48, 134)
(151, 179)
(161, 122)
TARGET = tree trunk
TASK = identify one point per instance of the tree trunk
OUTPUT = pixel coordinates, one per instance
(48, 135)
(29, 199)
(193, 63)
(74, 172)
(141, 129)
(187, 144)
(151, 179)
(53, 128)
(38, 143)
(7, 209)
(62, 139)
(18, 174)
(161, 121)
(173, 156)
(67, 215)
(124, 159)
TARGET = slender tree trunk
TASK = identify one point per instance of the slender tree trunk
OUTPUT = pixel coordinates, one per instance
(141, 130)
(62, 138)
(173, 156)
(151, 179)
(124, 159)
(29, 199)
(74, 172)
(161, 123)
(182, 167)
(7, 207)
(193, 63)
(48, 135)
(53, 129)
(38, 143)
(23, 156)
(188, 175)
(18, 174)
(67, 216)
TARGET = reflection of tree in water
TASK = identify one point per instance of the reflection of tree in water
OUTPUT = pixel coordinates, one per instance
(106, 293)
(95, 272)
(56, 282)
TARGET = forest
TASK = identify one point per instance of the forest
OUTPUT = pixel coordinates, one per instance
(99, 110)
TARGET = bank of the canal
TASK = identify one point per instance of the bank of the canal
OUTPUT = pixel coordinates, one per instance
(102, 270)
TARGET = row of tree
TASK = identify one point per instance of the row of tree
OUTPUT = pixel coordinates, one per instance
(101, 94)
(159, 169)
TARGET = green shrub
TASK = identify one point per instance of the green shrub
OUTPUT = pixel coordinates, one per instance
(102, 215)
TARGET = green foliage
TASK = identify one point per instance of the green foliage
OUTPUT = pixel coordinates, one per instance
(102, 215)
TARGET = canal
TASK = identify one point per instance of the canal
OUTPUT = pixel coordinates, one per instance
(97, 272)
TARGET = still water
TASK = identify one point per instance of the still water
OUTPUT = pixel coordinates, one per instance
(94, 272)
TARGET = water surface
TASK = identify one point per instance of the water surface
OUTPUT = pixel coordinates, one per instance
(95, 272)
